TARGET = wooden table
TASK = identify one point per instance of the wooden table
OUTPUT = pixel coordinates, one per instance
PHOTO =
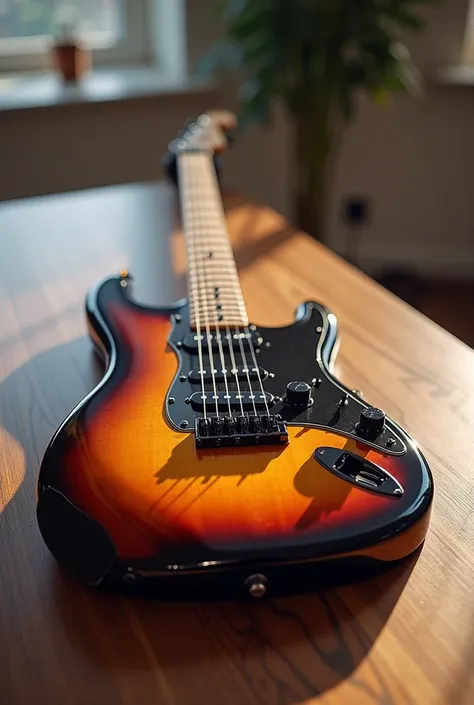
(405, 638)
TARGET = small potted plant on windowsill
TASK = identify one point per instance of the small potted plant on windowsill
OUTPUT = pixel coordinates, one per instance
(70, 58)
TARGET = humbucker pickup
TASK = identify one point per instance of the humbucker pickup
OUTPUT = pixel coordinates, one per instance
(225, 431)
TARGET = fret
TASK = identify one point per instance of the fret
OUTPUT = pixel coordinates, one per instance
(212, 315)
(229, 302)
(215, 295)
(224, 293)
(210, 252)
(208, 292)
(204, 232)
(207, 296)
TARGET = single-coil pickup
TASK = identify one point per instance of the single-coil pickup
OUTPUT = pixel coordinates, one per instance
(219, 375)
(249, 401)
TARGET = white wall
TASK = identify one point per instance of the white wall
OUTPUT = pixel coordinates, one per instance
(72, 147)
(414, 158)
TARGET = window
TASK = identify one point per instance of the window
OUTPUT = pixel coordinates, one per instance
(114, 29)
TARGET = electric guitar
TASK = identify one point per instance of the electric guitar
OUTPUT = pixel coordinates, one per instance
(217, 457)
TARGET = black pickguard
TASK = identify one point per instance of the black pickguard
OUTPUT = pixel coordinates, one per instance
(302, 352)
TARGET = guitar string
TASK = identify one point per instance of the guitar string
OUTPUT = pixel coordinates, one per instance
(218, 203)
(228, 333)
(199, 272)
(183, 172)
(247, 333)
(203, 229)
(257, 368)
(235, 369)
(246, 369)
(248, 337)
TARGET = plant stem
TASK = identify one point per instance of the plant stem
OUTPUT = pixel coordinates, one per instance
(315, 132)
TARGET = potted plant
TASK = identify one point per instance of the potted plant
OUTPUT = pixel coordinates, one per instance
(70, 58)
(315, 56)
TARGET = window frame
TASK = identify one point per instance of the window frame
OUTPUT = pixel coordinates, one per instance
(135, 49)
(469, 37)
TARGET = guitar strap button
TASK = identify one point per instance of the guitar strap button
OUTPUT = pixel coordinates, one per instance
(256, 585)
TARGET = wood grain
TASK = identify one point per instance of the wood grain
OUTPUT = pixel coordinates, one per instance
(405, 638)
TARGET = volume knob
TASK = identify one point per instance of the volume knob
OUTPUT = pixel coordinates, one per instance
(371, 422)
(298, 394)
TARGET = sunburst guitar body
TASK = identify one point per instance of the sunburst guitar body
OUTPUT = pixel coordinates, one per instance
(217, 458)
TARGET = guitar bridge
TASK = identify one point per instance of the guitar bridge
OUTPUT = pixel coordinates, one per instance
(227, 431)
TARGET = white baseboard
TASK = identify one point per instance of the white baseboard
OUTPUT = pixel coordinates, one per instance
(456, 262)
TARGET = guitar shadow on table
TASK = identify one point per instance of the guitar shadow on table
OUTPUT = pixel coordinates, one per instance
(296, 647)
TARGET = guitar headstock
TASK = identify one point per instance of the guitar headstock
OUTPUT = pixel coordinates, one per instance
(206, 133)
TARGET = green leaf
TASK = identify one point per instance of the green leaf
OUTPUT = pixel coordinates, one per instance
(256, 101)
(310, 51)
(222, 56)
(405, 19)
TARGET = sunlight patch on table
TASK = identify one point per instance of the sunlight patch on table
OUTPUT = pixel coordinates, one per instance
(12, 467)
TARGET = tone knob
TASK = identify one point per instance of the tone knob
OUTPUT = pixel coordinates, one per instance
(371, 422)
(298, 394)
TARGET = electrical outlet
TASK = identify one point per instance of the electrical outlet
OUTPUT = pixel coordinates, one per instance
(356, 210)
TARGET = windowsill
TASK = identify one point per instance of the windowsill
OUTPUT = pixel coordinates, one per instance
(462, 75)
(45, 89)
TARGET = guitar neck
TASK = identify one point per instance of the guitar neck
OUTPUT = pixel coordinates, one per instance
(214, 289)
